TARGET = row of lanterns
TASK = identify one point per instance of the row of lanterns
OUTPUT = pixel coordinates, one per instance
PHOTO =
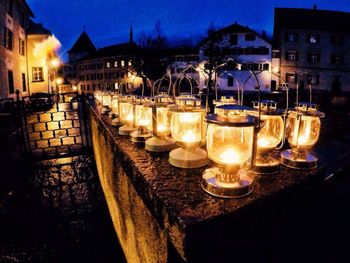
(240, 141)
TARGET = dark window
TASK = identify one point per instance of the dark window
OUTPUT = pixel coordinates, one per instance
(82, 87)
(88, 87)
(10, 82)
(10, 7)
(233, 39)
(230, 81)
(337, 40)
(266, 66)
(99, 65)
(87, 77)
(38, 74)
(314, 38)
(275, 54)
(291, 37)
(250, 37)
(93, 66)
(313, 58)
(23, 21)
(337, 59)
(313, 79)
(21, 47)
(8, 39)
(24, 85)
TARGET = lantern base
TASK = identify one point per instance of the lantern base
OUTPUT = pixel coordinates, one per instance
(140, 136)
(293, 160)
(156, 144)
(126, 130)
(266, 165)
(116, 122)
(188, 157)
(242, 187)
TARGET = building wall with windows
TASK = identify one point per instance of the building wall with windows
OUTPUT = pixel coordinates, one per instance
(246, 47)
(316, 54)
(14, 16)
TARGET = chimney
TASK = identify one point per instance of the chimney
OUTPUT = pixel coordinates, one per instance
(314, 7)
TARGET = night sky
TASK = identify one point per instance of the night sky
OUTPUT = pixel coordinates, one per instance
(108, 21)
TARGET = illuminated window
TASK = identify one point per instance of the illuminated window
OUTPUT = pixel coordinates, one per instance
(38, 74)
(122, 63)
(129, 63)
(291, 56)
(314, 39)
(291, 77)
(108, 64)
(115, 64)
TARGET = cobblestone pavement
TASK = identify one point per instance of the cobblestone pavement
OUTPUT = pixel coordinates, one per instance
(58, 215)
(53, 210)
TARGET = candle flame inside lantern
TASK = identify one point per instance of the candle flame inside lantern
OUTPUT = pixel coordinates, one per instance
(189, 136)
(230, 156)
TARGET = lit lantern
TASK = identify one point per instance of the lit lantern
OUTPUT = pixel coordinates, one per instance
(106, 99)
(160, 125)
(115, 110)
(230, 146)
(98, 96)
(188, 129)
(126, 114)
(302, 131)
(142, 120)
(224, 101)
(270, 136)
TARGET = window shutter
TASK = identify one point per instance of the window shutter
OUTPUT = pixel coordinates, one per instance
(296, 56)
(295, 78)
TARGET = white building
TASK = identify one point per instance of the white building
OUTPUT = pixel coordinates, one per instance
(244, 46)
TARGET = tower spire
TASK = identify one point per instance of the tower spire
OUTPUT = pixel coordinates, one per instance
(131, 37)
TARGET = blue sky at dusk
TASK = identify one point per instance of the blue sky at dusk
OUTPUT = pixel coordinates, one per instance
(108, 21)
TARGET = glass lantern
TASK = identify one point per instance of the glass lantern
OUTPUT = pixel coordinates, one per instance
(115, 110)
(126, 114)
(230, 146)
(270, 136)
(224, 100)
(160, 125)
(98, 97)
(302, 131)
(188, 130)
(142, 120)
(106, 99)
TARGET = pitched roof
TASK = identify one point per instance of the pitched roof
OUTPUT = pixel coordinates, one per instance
(115, 50)
(311, 19)
(83, 44)
(234, 28)
(27, 8)
(37, 29)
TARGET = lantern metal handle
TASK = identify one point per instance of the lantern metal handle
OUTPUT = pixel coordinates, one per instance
(160, 83)
(234, 77)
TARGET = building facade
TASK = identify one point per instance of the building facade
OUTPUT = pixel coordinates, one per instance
(24, 66)
(245, 47)
(108, 68)
(14, 22)
(312, 48)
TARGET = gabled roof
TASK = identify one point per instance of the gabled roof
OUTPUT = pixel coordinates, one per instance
(116, 50)
(83, 44)
(37, 29)
(234, 28)
(311, 19)
(183, 50)
(27, 8)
